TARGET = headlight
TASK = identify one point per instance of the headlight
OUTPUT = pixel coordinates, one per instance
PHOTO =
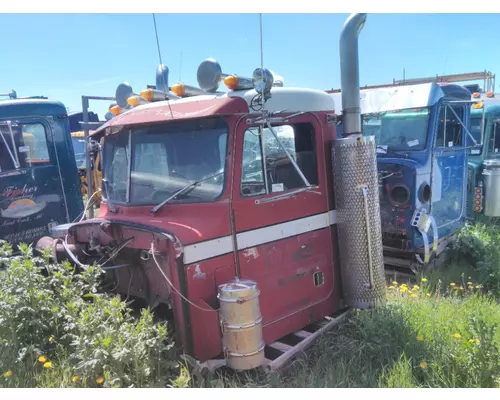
(400, 194)
(424, 193)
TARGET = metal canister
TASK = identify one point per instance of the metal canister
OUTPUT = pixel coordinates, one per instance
(358, 221)
(241, 324)
(491, 177)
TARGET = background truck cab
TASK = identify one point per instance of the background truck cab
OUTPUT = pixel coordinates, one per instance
(38, 175)
(422, 136)
(485, 127)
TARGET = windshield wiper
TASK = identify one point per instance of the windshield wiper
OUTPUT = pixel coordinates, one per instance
(183, 190)
(385, 150)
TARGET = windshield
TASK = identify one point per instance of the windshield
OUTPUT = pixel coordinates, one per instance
(79, 147)
(398, 130)
(475, 130)
(144, 166)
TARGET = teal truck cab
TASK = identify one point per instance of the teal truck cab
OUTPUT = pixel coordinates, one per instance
(38, 175)
(484, 162)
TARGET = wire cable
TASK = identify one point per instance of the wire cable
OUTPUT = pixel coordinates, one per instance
(173, 287)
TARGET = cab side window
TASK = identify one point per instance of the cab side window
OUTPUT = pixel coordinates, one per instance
(450, 130)
(298, 139)
(116, 153)
(494, 147)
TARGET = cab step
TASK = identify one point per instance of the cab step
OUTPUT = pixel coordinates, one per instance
(279, 353)
(291, 346)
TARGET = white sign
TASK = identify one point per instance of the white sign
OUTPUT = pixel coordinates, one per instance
(382, 149)
(277, 187)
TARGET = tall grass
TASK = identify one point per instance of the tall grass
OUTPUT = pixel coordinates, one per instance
(446, 340)
(478, 246)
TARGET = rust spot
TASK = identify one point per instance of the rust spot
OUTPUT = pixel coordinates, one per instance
(305, 251)
(294, 278)
(250, 254)
(198, 274)
(312, 317)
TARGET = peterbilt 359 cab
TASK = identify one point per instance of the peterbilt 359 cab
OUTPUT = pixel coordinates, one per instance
(241, 211)
(423, 142)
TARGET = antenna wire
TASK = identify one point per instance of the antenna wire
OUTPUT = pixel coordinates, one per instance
(166, 89)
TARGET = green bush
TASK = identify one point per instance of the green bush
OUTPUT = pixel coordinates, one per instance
(479, 246)
(57, 330)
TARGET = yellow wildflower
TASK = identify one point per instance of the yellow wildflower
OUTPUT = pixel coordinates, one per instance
(51, 339)
(420, 338)
(99, 380)
(424, 280)
(394, 283)
(48, 364)
(457, 336)
(423, 365)
(75, 379)
(414, 295)
(461, 288)
(391, 287)
(416, 287)
(452, 284)
(478, 286)
(7, 374)
(469, 283)
(428, 294)
(403, 289)
(42, 359)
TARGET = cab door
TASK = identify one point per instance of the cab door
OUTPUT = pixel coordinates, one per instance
(283, 228)
(450, 167)
(31, 195)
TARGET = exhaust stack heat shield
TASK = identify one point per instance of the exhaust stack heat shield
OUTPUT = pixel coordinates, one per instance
(358, 221)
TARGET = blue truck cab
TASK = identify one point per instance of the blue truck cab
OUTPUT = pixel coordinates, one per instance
(423, 137)
(39, 185)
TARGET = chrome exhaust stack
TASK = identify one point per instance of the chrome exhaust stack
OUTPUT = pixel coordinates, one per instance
(349, 73)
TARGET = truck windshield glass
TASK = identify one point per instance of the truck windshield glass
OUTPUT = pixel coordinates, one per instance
(398, 130)
(145, 166)
(79, 148)
(23, 145)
